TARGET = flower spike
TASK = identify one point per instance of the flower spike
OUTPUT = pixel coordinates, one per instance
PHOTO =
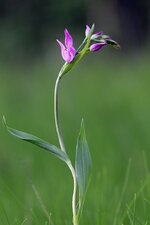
(91, 43)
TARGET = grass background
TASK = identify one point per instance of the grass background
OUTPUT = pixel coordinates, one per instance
(111, 91)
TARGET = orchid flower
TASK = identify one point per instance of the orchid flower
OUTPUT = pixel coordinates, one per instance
(68, 51)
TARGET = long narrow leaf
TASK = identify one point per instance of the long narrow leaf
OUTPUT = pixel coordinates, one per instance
(37, 141)
(83, 161)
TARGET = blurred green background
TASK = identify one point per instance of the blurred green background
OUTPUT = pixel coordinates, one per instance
(110, 89)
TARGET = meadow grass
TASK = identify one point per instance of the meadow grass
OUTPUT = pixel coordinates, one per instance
(113, 97)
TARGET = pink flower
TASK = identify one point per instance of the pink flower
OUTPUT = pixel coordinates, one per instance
(68, 52)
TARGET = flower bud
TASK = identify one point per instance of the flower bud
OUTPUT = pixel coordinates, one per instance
(87, 31)
(97, 46)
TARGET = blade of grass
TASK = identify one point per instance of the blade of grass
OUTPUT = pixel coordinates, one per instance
(132, 200)
(133, 217)
(12, 194)
(23, 222)
(122, 193)
(5, 214)
(43, 207)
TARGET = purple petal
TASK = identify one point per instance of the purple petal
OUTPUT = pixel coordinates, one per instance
(63, 50)
(87, 31)
(67, 56)
(61, 45)
(72, 53)
(68, 39)
(94, 36)
(97, 46)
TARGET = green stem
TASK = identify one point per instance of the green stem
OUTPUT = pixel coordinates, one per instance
(74, 210)
(56, 115)
(82, 44)
(62, 146)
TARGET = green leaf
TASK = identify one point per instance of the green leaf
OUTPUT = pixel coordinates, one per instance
(83, 161)
(37, 141)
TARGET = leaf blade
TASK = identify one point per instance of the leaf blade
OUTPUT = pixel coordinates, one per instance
(37, 141)
(83, 161)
